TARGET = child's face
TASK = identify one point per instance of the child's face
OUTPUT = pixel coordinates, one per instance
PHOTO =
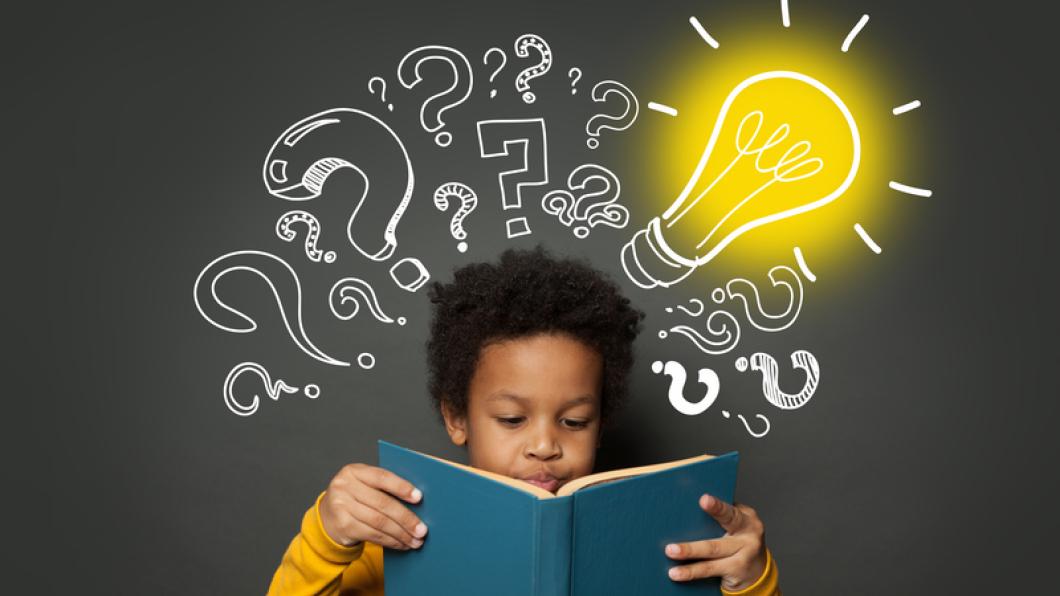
(533, 410)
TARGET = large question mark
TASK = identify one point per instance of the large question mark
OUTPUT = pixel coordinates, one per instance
(273, 389)
(528, 139)
(575, 74)
(597, 123)
(522, 49)
(678, 376)
(764, 364)
(486, 61)
(463, 80)
(757, 316)
(468, 201)
(285, 232)
(591, 207)
(382, 89)
(307, 152)
(283, 282)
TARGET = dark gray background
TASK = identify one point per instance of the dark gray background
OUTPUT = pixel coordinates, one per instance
(921, 465)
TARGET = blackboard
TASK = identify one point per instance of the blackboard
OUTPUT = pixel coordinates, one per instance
(922, 462)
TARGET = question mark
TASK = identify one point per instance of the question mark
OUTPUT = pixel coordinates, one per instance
(382, 86)
(591, 207)
(757, 316)
(678, 376)
(468, 202)
(522, 49)
(283, 282)
(765, 364)
(726, 414)
(575, 74)
(347, 290)
(463, 81)
(486, 61)
(307, 153)
(618, 123)
(273, 389)
(284, 231)
(688, 311)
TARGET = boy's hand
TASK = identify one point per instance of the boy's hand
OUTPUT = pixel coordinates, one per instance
(738, 557)
(359, 505)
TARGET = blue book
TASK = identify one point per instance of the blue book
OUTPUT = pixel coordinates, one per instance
(600, 534)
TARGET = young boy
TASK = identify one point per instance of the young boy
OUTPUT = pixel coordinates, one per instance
(529, 358)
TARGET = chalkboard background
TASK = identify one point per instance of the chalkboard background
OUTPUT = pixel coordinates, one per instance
(919, 466)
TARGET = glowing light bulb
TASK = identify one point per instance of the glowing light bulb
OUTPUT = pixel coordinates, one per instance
(783, 144)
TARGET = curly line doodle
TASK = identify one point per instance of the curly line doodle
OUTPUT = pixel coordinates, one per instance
(688, 311)
(764, 363)
(285, 232)
(756, 314)
(728, 333)
(273, 389)
(765, 432)
(678, 376)
(346, 291)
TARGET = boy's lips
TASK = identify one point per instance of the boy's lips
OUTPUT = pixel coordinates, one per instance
(544, 480)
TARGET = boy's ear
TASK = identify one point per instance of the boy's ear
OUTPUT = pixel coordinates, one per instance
(455, 424)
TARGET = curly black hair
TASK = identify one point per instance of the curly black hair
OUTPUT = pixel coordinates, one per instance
(528, 292)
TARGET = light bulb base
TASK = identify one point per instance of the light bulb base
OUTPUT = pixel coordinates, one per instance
(649, 262)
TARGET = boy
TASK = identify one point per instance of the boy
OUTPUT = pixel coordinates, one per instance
(528, 359)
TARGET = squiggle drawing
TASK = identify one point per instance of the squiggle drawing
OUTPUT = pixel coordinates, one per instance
(764, 363)
(590, 207)
(757, 435)
(272, 389)
(757, 316)
(619, 122)
(285, 232)
(432, 109)
(693, 301)
(345, 293)
(497, 138)
(678, 376)
(303, 157)
(468, 201)
(522, 49)
(283, 282)
(720, 324)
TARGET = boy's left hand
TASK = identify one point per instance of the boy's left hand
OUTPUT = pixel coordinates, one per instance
(738, 557)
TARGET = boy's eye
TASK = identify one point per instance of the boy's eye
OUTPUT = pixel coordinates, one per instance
(510, 420)
(569, 423)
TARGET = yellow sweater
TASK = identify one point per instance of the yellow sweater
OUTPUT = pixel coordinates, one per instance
(316, 564)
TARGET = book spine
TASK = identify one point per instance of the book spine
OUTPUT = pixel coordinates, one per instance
(552, 546)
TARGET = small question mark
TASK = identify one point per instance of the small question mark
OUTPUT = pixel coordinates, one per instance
(765, 364)
(590, 207)
(618, 123)
(726, 414)
(463, 81)
(353, 290)
(382, 94)
(284, 231)
(576, 75)
(678, 376)
(468, 201)
(273, 389)
(522, 49)
(757, 316)
(486, 61)
(688, 311)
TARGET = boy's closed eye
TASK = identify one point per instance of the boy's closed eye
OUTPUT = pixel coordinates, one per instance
(571, 423)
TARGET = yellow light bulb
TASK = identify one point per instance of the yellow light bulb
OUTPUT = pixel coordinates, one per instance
(783, 144)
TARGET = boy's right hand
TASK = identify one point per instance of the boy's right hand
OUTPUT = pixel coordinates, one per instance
(360, 505)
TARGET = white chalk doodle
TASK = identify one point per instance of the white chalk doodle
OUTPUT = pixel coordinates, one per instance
(468, 201)
(527, 139)
(349, 293)
(854, 32)
(757, 435)
(650, 259)
(694, 302)
(463, 81)
(382, 90)
(617, 122)
(757, 315)
(366, 360)
(575, 75)
(589, 207)
(702, 31)
(720, 324)
(522, 49)
(284, 229)
(304, 157)
(283, 282)
(496, 71)
(272, 389)
(767, 366)
(678, 377)
(416, 275)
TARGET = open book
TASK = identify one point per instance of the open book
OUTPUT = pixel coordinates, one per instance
(600, 534)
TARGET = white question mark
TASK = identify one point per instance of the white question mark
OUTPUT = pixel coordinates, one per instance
(496, 71)
(468, 202)
(765, 364)
(285, 232)
(382, 87)
(726, 414)
(621, 122)
(273, 389)
(591, 207)
(678, 376)
(576, 75)
(463, 81)
(688, 311)
(347, 291)
(522, 49)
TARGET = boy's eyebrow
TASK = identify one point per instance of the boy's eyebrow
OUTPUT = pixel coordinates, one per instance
(511, 396)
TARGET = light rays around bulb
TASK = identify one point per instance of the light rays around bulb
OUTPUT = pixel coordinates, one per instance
(665, 109)
(906, 107)
(854, 32)
(703, 32)
(909, 190)
(869, 242)
(785, 16)
(803, 266)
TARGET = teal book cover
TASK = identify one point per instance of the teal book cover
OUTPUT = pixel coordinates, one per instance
(601, 534)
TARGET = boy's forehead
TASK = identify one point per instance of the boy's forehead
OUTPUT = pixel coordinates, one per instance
(557, 368)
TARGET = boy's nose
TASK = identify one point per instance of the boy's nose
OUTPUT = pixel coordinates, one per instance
(542, 445)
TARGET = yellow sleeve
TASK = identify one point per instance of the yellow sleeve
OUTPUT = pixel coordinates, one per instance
(316, 564)
(767, 585)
